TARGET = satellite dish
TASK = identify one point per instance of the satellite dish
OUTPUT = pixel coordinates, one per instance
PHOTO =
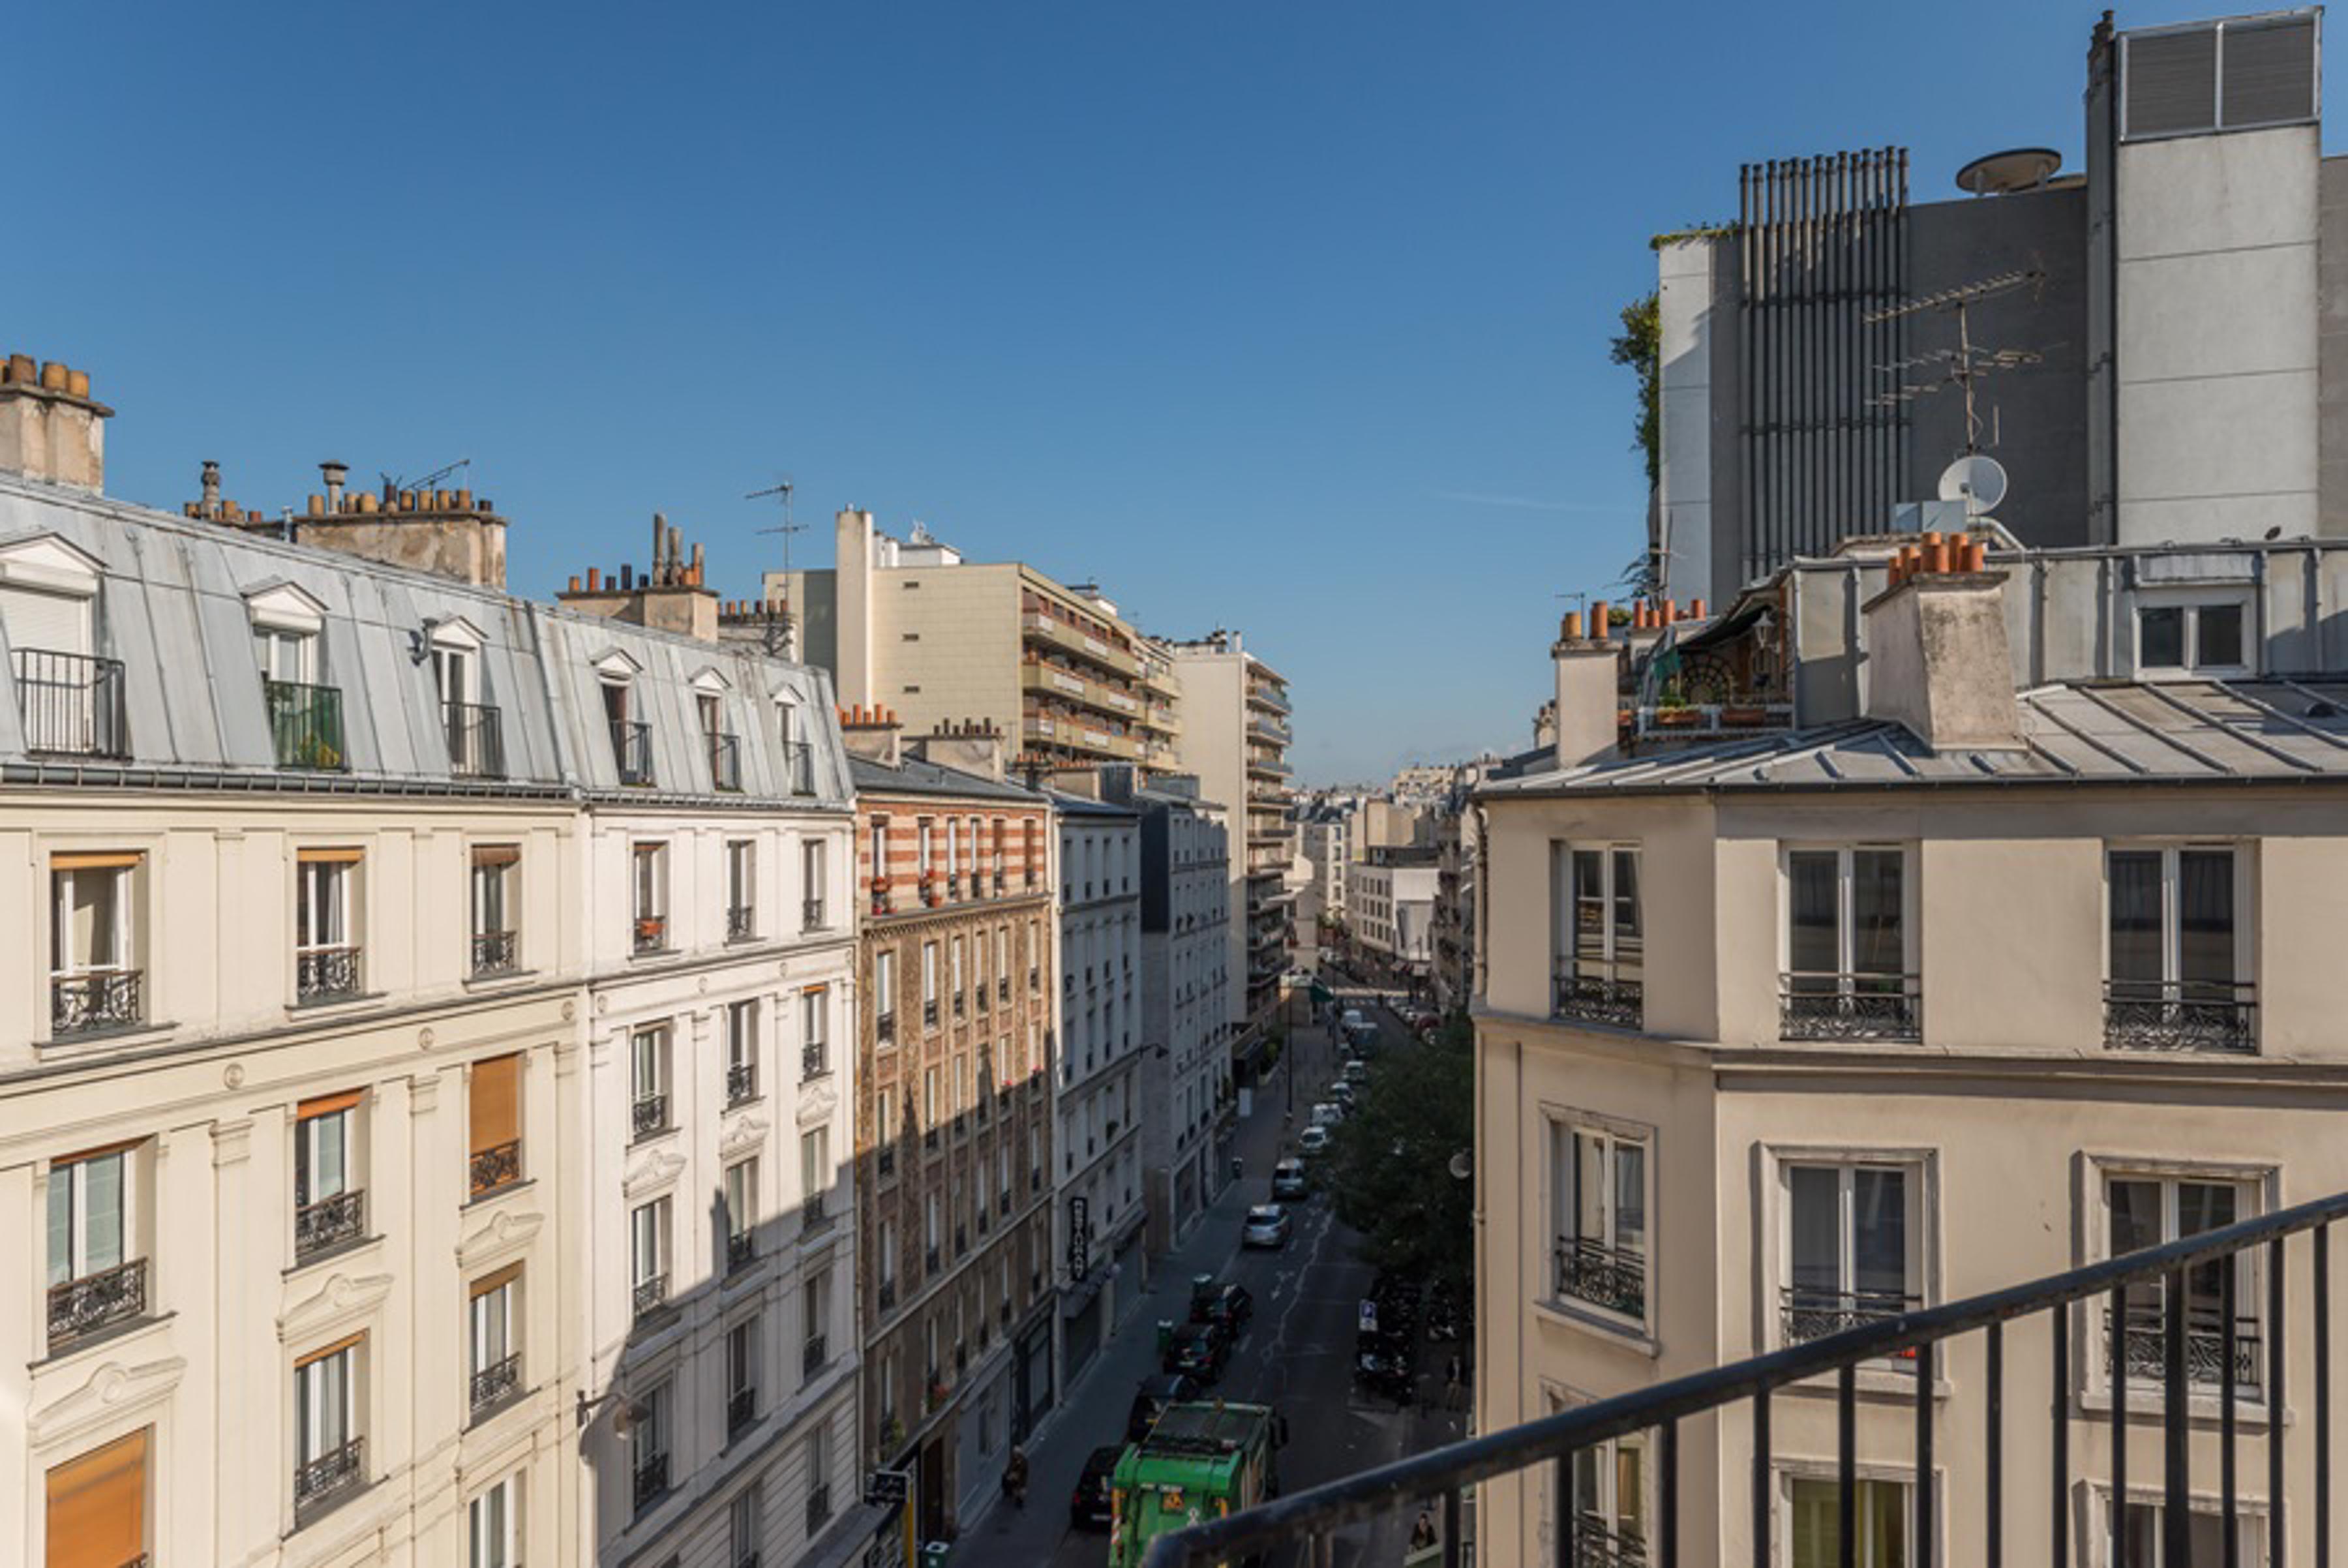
(1977, 479)
(2000, 173)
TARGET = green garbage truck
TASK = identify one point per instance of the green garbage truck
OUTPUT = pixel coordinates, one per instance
(1200, 1461)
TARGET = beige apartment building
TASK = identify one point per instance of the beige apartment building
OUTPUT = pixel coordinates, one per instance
(912, 625)
(2009, 955)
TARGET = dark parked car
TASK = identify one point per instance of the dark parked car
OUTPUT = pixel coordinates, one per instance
(1089, 1504)
(1228, 1305)
(1153, 1395)
(1200, 1351)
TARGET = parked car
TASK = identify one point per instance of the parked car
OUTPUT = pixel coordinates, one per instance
(1314, 1140)
(1357, 1072)
(1288, 1183)
(1342, 1093)
(1229, 1305)
(1151, 1397)
(1200, 1351)
(1353, 1021)
(1089, 1506)
(1328, 1113)
(1267, 1226)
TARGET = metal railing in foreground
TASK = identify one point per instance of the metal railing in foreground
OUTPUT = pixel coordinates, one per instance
(1311, 1518)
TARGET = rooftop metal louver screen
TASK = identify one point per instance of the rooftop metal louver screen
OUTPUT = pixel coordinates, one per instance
(2220, 76)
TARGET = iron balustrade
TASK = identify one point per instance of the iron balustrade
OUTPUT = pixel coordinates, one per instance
(887, 1159)
(815, 1061)
(96, 1001)
(632, 750)
(884, 1027)
(1808, 1312)
(651, 934)
(813, 1355)
(1002, 990)
(741, 1250)
(741, 1412)
(71, 703)
(305, 725)
(1545, 1449)
(799, 768)
(82, 1307)
(726, 763)
(882, 903)
(930, 1260)
(651, 1480)
(329, 1475)
(2146, 1335)
(651, 1294)
(476, 742)
(2181, 1015)
(496, 1382)
(649, 1115)
(741, 923)
(496, 952)
(1599, 1544)
(1837, 1007)
(329, 1223)
(1613, 1277)
(818, 1509)
(1599, 999)
(499, 1165)
(321, 973)
(888, 1294)
(929, 1012)
(811, 915)
(741, 1083)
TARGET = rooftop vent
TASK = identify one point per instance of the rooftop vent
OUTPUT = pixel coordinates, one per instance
(2242, 74)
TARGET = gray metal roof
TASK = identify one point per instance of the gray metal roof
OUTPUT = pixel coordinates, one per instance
(913, 776)
(2272, 730)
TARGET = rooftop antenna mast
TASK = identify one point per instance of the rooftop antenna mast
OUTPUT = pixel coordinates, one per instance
(1975, 477)
(787, 527)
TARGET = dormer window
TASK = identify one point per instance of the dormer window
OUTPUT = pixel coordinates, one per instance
(722, 744)
(476, 741)
(71, 700)
(306, 714)
(2202, 632)
(632, 738)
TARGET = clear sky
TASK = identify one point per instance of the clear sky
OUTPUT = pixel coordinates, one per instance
(1286, 317)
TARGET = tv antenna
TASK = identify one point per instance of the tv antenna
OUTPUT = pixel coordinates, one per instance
(393, 484)
(787, 527)
(1968, 362)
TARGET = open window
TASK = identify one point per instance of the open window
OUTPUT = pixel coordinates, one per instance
(70, 699)
(632, 737)
(475, 743)
(304, 712)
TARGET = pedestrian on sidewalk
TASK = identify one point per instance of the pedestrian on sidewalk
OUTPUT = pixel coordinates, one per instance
(1014, 1478)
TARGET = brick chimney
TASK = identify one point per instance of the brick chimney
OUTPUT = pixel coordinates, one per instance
(50, 427)
(671, 597)
(450, 532)
(1588, 713)
(973, 745)
(1937, 658)
(870, 733)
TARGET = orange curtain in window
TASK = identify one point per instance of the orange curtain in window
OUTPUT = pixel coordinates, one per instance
(496, 1102)
(326, 1104)
(102, 860)
(496, 855)
(330, 857)
(97, 1506)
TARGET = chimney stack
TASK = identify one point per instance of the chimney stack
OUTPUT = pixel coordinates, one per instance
(970, 746)
(212, 494)
(872, 733)
(1588, 703)
(51, 428)
(1938, 661)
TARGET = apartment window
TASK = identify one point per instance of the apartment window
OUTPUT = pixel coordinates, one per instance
(818, 1480)
(741, 1377)
(2202, 639)
(325, 945)
(330, 1451)
(95, 978)
(929, 984)
(1596, 971)
(741, 1195)
(1035, 960)
(632, 738)
(648, 1074)
(1602, 1204)
(2150, 1209)
(1885, 1519)
(1033, 858)
(815, 1043)
(742, 1526)
(741, 1052)
(495, 947)
(648, 1242)
(329, 1203)
(724, 747)
(741, 889)
(649, 932)
(931, 1230)
(922, 851)
(1001, 964)
(96, 1505)
(930, 1107)
(493, 1095)
(494, 1525)
(815, 1317)
(1852, 1246)
(648, 1447)
(958, 995)
(884, 1128)
(286, 655)
(495, 1340)
(953, 859)
(2143, 1544)
(885, 1265)
(96, 1276)
(1849, 973)
(1610, 1503)
(812, 881)
(815, 1173)
(884, 996)
(2179, 955)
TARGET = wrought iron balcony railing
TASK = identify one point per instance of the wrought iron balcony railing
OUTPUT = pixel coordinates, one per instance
(888, 1294)
(499, 1165)
(741, 1412)
(929, 1012)
(815, 1061)
(813, 1354)
(811, 915)
(799, 768)
(1828, 1006)
(82, 1307)
(476, 742)
(2181, 1015)
(648, 1115)
(71, 703)
(652, 1479)
(321, 974)
(651, 1294)
(319, 1481)
(96, 1002)
(2206, 1345)
(329, 1223)
(884, 1027)
(632, 750)
(650, 934)
(1971, 1335)
(741, 923)
(741, 1083)
(1599, 999)
(818, 1509)
(305, 725)
(1614, 1278)
(496, 1382)
(885, 1161)
(1813, 1312)
(726, 763)
(741, 1250)
(496, 952)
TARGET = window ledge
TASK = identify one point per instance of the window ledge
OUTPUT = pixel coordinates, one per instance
(319, 1512)
(502, 978)
(108, 1334)
(126, 1035)
(476, 1420)
(1875, 1380)
(1570, 1313)
(325, 1005)
(475, 1199)
(2145, 1403)
(328, 1254)
(653, 955)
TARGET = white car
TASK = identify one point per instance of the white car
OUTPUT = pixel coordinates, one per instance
(1315, 1140)
(1328, 1113)
(1267, 1226)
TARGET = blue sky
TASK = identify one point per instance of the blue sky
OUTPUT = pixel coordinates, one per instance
(1291, 318)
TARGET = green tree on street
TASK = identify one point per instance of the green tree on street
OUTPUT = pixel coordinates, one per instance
(1388, 1168)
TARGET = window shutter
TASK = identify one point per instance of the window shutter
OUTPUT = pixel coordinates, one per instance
(496, 855)
(47, 621)
(97, 1506)
(327, 1104)
(496, 1102)
(330, 857)
(99, 862)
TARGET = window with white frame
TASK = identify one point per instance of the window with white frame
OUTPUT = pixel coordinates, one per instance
(2200, 635)
(818, 1467)
(494, 1525)
(741, 1212)
(648, 1243)
(959, 1000)
(329, 1201)
(1610, 1502)
(648, 1447)
(2142, 1542)
(1850, 950)
(741, 1374)
(741, 889)
(813, 881)
(649, 898)
(922, 848)
(815, 1173)
(2150, 1207)
(2179, 952)
(929, 982)
(95, 980)
(884, 995)
(287, 654)
(1885, 1515)
(329, 1448)
(96, 1275)
(1600, 1182)
(326, 941)
(742, 1051)
(493, 1334)
(1597, 966)
(1851, 1243)
(496, 876)
(815, 1032)
(648, 1082)
(930, 1118)
(815, 1320)
(742, 1516)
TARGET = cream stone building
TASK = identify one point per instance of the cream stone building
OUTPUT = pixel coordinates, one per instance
(2010, 955)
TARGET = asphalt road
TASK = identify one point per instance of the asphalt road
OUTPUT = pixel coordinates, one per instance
(1295, 1354)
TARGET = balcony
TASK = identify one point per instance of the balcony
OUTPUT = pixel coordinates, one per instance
(1855, 1008)
(741, 1250)
(648, 1116)
(885, 1028)
(1691, 720)
(1048, 631)
(1810, 1312)
(2181, 1015)
(741, 1412)
(649, 1295)
(495, 1384)
(495, 952)
(323, 974)
(741, 1084)
(328, 1223)
(741, 923)
(651, 1481)
(476, 742)
(929, 1012)
(495, 1167)
(632, 752)
(813, 1355)
(882, 902)
(2207, 1346)
(80, 1307)
(726, 763)
(1598, 999)
(305, 725)
(818, 1509)
(1260, 726)
(799, 768)
(1614, 1278)
(96, 1002)
(319, 1481)
(812, 917)
(1269, 698)
(71, 703)
(815, 1061)
(650, 934)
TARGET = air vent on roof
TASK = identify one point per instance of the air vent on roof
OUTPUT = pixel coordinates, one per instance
(2218, 75)
(2268, 73)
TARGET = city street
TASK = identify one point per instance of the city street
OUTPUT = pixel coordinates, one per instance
(1296, 1353)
